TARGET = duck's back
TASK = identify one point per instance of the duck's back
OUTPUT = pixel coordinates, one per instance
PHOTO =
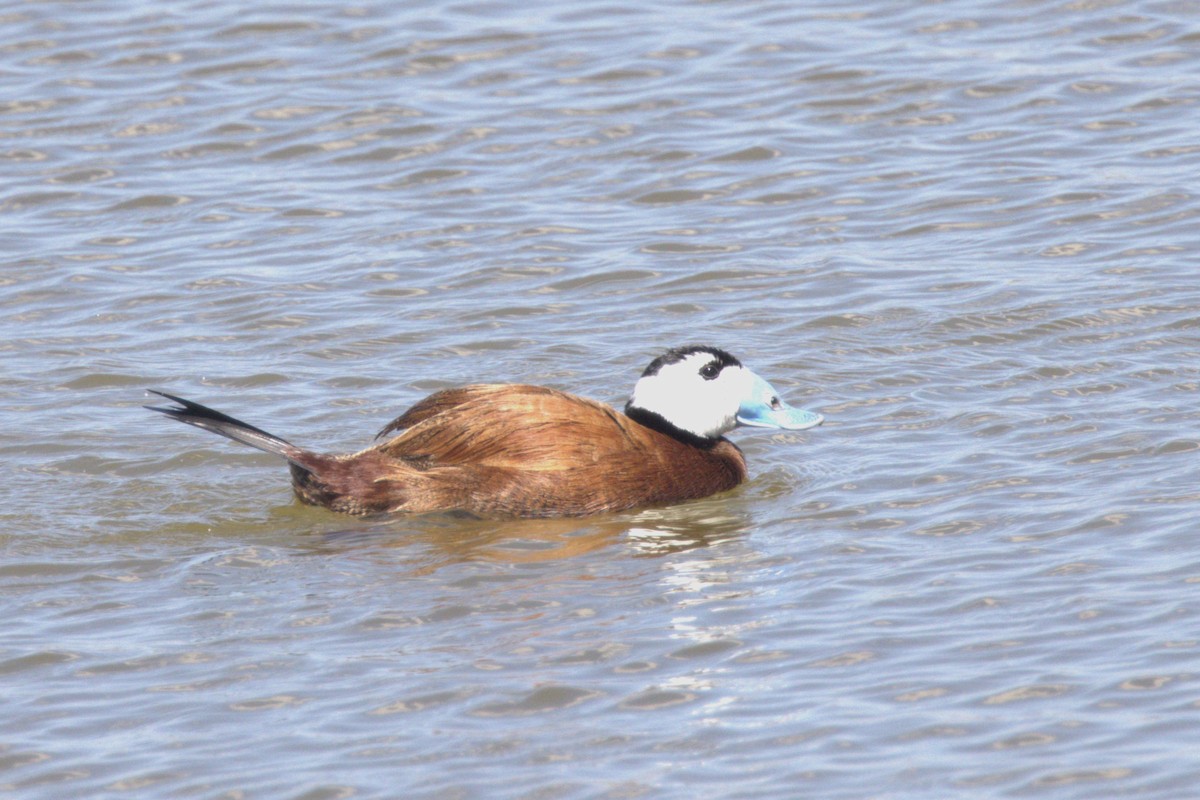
(510, 425)
(516, 450)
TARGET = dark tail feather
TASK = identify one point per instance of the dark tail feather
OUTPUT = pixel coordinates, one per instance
(215, 421)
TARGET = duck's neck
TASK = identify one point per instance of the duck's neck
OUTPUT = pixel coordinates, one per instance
(657, 422)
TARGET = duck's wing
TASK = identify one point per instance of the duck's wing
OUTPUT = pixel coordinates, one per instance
(510, 425)
(449, 399)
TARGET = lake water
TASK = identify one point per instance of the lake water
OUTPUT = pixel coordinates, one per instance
(966, 232)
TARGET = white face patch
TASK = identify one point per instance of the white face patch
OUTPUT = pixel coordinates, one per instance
(681, 394)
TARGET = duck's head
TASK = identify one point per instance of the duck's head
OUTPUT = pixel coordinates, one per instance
(702, 393)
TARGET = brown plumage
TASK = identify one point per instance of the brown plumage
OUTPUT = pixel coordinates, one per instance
(506, 450)
(512, 450)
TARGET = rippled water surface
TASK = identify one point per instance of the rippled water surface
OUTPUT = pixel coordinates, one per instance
(967, 232)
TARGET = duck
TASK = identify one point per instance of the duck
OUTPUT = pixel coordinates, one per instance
(515, 450)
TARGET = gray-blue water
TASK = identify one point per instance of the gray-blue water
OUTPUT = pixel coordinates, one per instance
(966, 232)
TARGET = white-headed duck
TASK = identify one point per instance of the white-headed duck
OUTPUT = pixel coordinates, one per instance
(511, 450)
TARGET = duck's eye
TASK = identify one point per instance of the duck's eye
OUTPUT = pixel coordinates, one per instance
(710, 370)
